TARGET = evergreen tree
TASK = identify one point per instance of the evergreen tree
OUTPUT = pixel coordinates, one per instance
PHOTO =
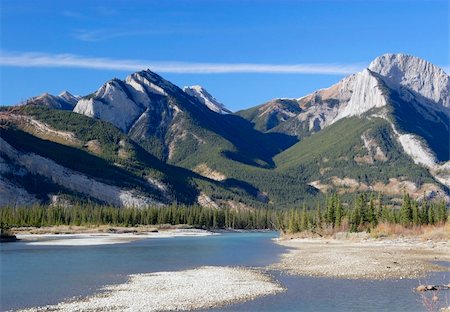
(356, 217)
(318, 219)
(372, 218)
(339, 212)
(330, 213)
(415, 213)
(406, 210)
(442, 212)
(305, 220)
(379, 212)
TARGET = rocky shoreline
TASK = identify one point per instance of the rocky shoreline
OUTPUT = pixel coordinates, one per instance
(200, 288)
(363, 259)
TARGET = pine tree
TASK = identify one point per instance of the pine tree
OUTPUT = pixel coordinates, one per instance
(356, 218)
(318, 220)
(424, 211)
(415, 213)
(339, 212)
(305, 219)
(406, 210)
(379, 212)
(442, 212)
(372, 218)
(330, 214)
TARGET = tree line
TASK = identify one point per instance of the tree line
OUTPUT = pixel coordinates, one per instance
(364, 214)
(195, 216)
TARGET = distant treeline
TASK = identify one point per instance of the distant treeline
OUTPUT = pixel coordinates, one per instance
(174, 215)
(365, 213)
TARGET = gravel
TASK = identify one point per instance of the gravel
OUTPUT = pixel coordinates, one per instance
(367, 259)
(200, 288)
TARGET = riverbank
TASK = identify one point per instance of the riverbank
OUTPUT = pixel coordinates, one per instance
(200, 288)
(98, 236)
(360, 257)
(90, 229)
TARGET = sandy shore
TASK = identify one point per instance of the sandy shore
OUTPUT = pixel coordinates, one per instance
(199, 288)
(99, 238)
(369, 259)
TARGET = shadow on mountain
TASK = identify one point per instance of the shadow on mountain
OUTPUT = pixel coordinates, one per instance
(435, 132)
(252, 146)
(247, 187)
(77, 160)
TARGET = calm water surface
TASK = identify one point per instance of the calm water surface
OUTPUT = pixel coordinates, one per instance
(41, 275)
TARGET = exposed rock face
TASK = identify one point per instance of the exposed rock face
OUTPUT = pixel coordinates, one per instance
(406, 85)
(366, 93)
(111, 103)
(394, 187)
(204, 97)
(127, 103)
(205, 171)
(352, 96)
(69, 98)
(144, 105)
(178, 126)
(65, 101)
(10, 193)
(411, 76)
(73, 180)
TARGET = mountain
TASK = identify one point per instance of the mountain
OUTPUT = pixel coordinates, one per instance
(203, 96)
(415, 81)
(391, 95)
(143, 140)
(268, 116)
(171, 124)
(65, 101)
(57, 156)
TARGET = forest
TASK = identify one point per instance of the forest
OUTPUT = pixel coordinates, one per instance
(364, 213)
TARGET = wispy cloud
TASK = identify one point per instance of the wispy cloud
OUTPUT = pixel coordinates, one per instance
(77, 61)
(105, 34)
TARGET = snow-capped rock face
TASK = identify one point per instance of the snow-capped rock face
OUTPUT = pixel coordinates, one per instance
(411, 76)
(204, 97)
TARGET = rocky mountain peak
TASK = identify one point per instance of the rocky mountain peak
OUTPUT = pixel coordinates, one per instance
(65, 101)
(411, 77)
(206, 98)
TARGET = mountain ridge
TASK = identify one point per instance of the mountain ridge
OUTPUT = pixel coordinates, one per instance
(257, 156)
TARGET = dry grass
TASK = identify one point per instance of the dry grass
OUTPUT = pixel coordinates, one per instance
(427, 232)
(437, 233)
(435, 301)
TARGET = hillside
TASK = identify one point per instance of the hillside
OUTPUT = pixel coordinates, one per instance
(144, 141)
(58, 156)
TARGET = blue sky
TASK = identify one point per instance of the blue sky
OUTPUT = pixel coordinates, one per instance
(243, 52)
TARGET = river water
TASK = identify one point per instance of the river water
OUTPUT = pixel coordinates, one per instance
(34, 275)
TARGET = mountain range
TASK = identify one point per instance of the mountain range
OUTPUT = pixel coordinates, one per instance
(144, 141)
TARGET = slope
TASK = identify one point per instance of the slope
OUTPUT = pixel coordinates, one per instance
(85, 159)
